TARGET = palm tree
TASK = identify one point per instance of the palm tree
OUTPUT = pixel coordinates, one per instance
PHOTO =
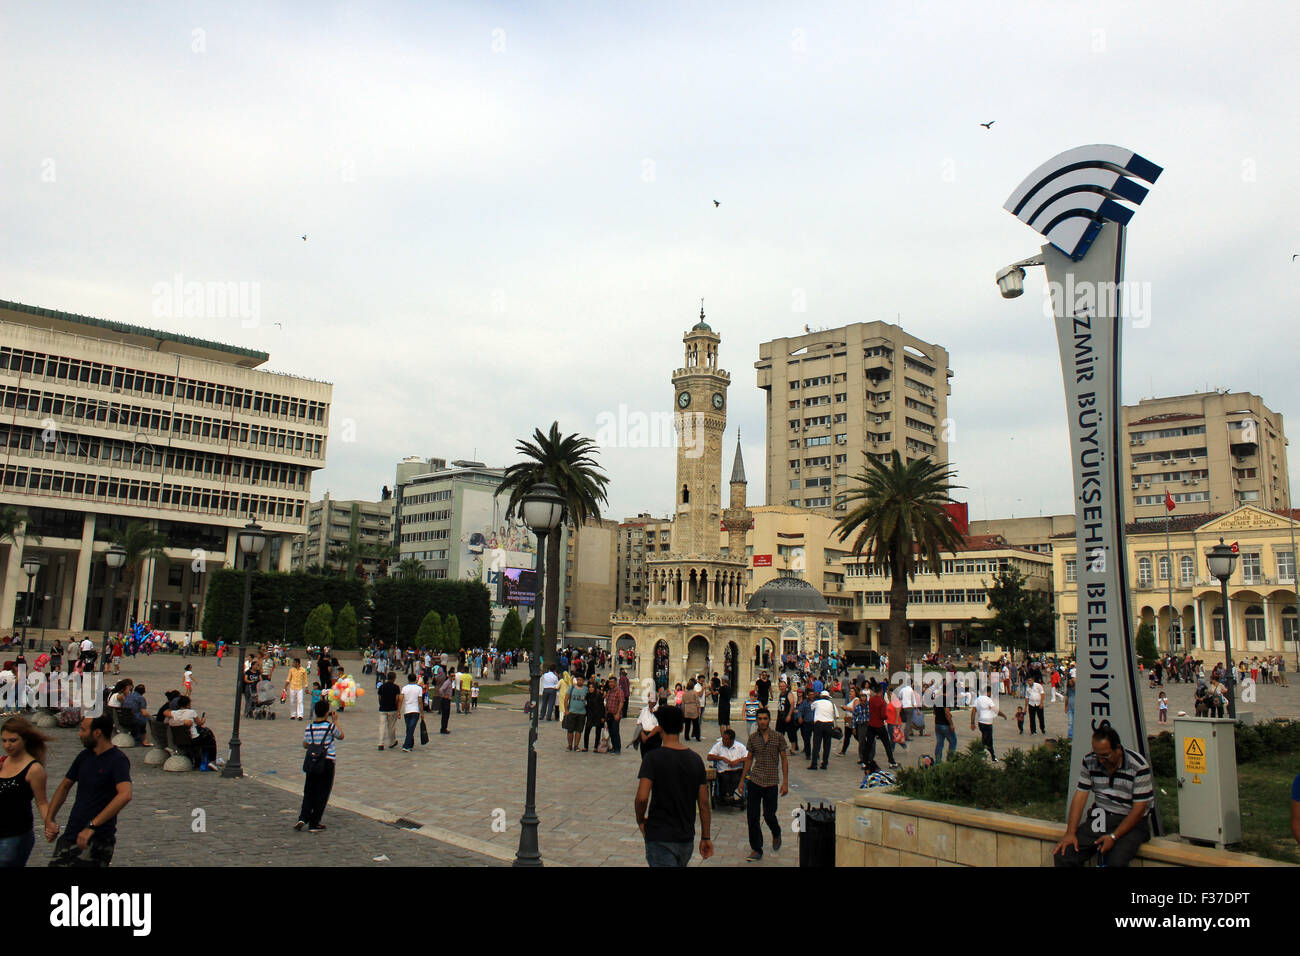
(569, 464)
(141, 542)
(410, 568)
(901, 518)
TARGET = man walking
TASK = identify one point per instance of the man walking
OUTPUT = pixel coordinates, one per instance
(1120, 783)
(691, 709)
(446, 689)
(613, 713)
(575, 712)
(766, 767)
(823, 722)
(671, 783)
(876, 729)
(294, 685)
(907, 703)
(550, 687)
(1034, 700)
(412, 698)
(981, 714)
(102, 774)
(724, 703)
(389, 694)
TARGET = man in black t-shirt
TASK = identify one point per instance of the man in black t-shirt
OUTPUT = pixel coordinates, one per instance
(389, 694)
(672, 784)
(102, 774)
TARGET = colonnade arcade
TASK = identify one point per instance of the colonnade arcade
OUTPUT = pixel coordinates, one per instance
(683, 586)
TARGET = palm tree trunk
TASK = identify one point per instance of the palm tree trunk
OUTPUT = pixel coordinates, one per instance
(550, 655)
(898, 648)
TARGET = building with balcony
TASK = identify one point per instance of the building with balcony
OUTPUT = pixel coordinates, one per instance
(335, 528)
(108, 423)
(834, 394)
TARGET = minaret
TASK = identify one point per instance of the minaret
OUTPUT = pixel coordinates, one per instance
(737, 519)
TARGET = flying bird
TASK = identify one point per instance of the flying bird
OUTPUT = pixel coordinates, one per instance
(304, 238)
(989, 124)
(716, 204)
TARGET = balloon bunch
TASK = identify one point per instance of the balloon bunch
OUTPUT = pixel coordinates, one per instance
(343, 693)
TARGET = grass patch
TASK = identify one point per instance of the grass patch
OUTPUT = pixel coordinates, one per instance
(488, 693)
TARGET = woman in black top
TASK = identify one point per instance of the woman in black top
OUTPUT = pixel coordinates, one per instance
(22, 778)
(595, 715)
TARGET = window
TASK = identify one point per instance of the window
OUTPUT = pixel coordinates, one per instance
(1186, 569)
(1144, 572)
(1249, 568)
(1071, 570)
(1072, 630)
(1255, 624)
(1286, 565)
(1290, 628)
(1164, 568)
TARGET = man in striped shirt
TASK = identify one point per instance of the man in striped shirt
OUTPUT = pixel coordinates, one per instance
(1116, 826)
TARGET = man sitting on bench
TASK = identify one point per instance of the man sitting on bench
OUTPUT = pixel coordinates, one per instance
(728, 759)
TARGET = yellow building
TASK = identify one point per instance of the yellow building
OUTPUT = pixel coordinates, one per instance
(1261, 592)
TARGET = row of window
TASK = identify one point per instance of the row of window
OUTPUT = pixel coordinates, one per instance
(935, 596)
(1256, 631)
(915, 366)
(918, 406)
(922, 387)
(949, 566)
(444, 515)
(49, 481)
(1171, 455)
(150, 420)
(160, 384)
(920, 426)
(408, 499)
(1180, 498)
(436, 534)
(916, 445)
(1251, 568)
(94, 451)
(1167, 433)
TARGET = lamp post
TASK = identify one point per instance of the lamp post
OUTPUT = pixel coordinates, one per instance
(251, 542)
(1222, 560)
(543, 507)
(114, 558)
(31, 568)
(284, 640)
(44, 604)
(1026, 639)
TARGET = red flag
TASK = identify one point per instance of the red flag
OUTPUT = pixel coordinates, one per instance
(1235, 549)
(1169, 501)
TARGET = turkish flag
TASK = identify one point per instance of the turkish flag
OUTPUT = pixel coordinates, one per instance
(1235, 549)
(1169, 501)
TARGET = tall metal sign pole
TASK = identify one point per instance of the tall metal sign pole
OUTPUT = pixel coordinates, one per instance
(1075, 200)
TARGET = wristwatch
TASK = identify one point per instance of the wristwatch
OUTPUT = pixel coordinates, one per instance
(91, 826)
(1112, 836)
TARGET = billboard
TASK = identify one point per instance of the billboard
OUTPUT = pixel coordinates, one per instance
(519, 587)
(490, 543)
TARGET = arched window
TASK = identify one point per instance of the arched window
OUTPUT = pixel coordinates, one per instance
(1186, 569)
(1290, 630)
(686, 495)
(1144, 571)
(1164, 568)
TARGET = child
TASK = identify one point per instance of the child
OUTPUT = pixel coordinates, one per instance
(751, 711)
(1163, 701)
(1020, 718)
(189, 681)
(473, 697)
(315, 695)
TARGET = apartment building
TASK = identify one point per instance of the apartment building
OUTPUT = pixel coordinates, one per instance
(335, 528)
(591, 577)
(1211, 451)
(836, 394)
(108, 423)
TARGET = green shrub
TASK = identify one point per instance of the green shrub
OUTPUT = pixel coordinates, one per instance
(1160, 750)
(1041, 774)
(318, 628)
(975, 747)
(1249, 745)
(345, 629)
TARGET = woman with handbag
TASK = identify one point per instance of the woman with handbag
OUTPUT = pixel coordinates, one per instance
(318, 767)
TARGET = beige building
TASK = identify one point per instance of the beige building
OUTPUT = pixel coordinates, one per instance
(1032, 534)
(636, 537)
(833, 395)
(108, 423)
(1261, 591)
(590, 581)
(1212, 451)
(335, 525)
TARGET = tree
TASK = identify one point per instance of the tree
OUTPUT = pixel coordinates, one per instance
(430, 633)
(410, 568)
(1146, 644)
(451, 634)
(1012, 605)
(345, 629)
(569, 464)
(511, 631)
(141, 542)
(318, 629)
(13, 524)
(899, 521)
(271, 593)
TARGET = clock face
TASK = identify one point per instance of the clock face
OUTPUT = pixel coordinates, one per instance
(684, 399)
(717, 400)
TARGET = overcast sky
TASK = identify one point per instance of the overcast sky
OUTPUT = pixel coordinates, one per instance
(510, 218)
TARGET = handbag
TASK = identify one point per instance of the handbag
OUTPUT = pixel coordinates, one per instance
(314, 761)
(837, 733)
(918, 718)
(424, 731)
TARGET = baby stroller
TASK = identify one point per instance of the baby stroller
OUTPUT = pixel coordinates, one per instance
(263, 698)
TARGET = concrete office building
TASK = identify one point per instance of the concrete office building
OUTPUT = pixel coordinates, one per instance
(108, 423)
(834, 394)
(334, 526)
(590, 582)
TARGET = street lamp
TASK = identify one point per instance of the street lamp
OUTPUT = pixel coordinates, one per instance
(543, 507)
(44, 604)
(114, 558)
(31, 568)
(1222, 559)
(284, 641)
(1026, 639)
(251, 542)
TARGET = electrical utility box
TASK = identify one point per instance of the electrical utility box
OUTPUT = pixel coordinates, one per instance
(1205, 757)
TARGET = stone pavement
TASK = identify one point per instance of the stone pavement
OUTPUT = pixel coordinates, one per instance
(466, 790)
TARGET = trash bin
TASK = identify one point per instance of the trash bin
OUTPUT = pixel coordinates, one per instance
(817, 836)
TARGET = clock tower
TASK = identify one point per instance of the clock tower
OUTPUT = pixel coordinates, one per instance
(700, 403)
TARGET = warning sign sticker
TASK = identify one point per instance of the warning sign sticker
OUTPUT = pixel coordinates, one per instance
(1194, 754)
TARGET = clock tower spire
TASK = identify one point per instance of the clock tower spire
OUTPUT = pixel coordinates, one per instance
(700, 400)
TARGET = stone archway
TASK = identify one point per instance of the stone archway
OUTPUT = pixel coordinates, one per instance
(697, 656)
(662, 661)
(626, 643)
(731, 670)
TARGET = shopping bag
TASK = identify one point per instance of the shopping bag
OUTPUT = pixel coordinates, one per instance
(424, 732)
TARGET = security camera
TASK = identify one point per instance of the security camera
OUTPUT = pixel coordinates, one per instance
(1011, 282)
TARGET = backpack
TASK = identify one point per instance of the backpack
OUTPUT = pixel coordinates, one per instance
(317, 756)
